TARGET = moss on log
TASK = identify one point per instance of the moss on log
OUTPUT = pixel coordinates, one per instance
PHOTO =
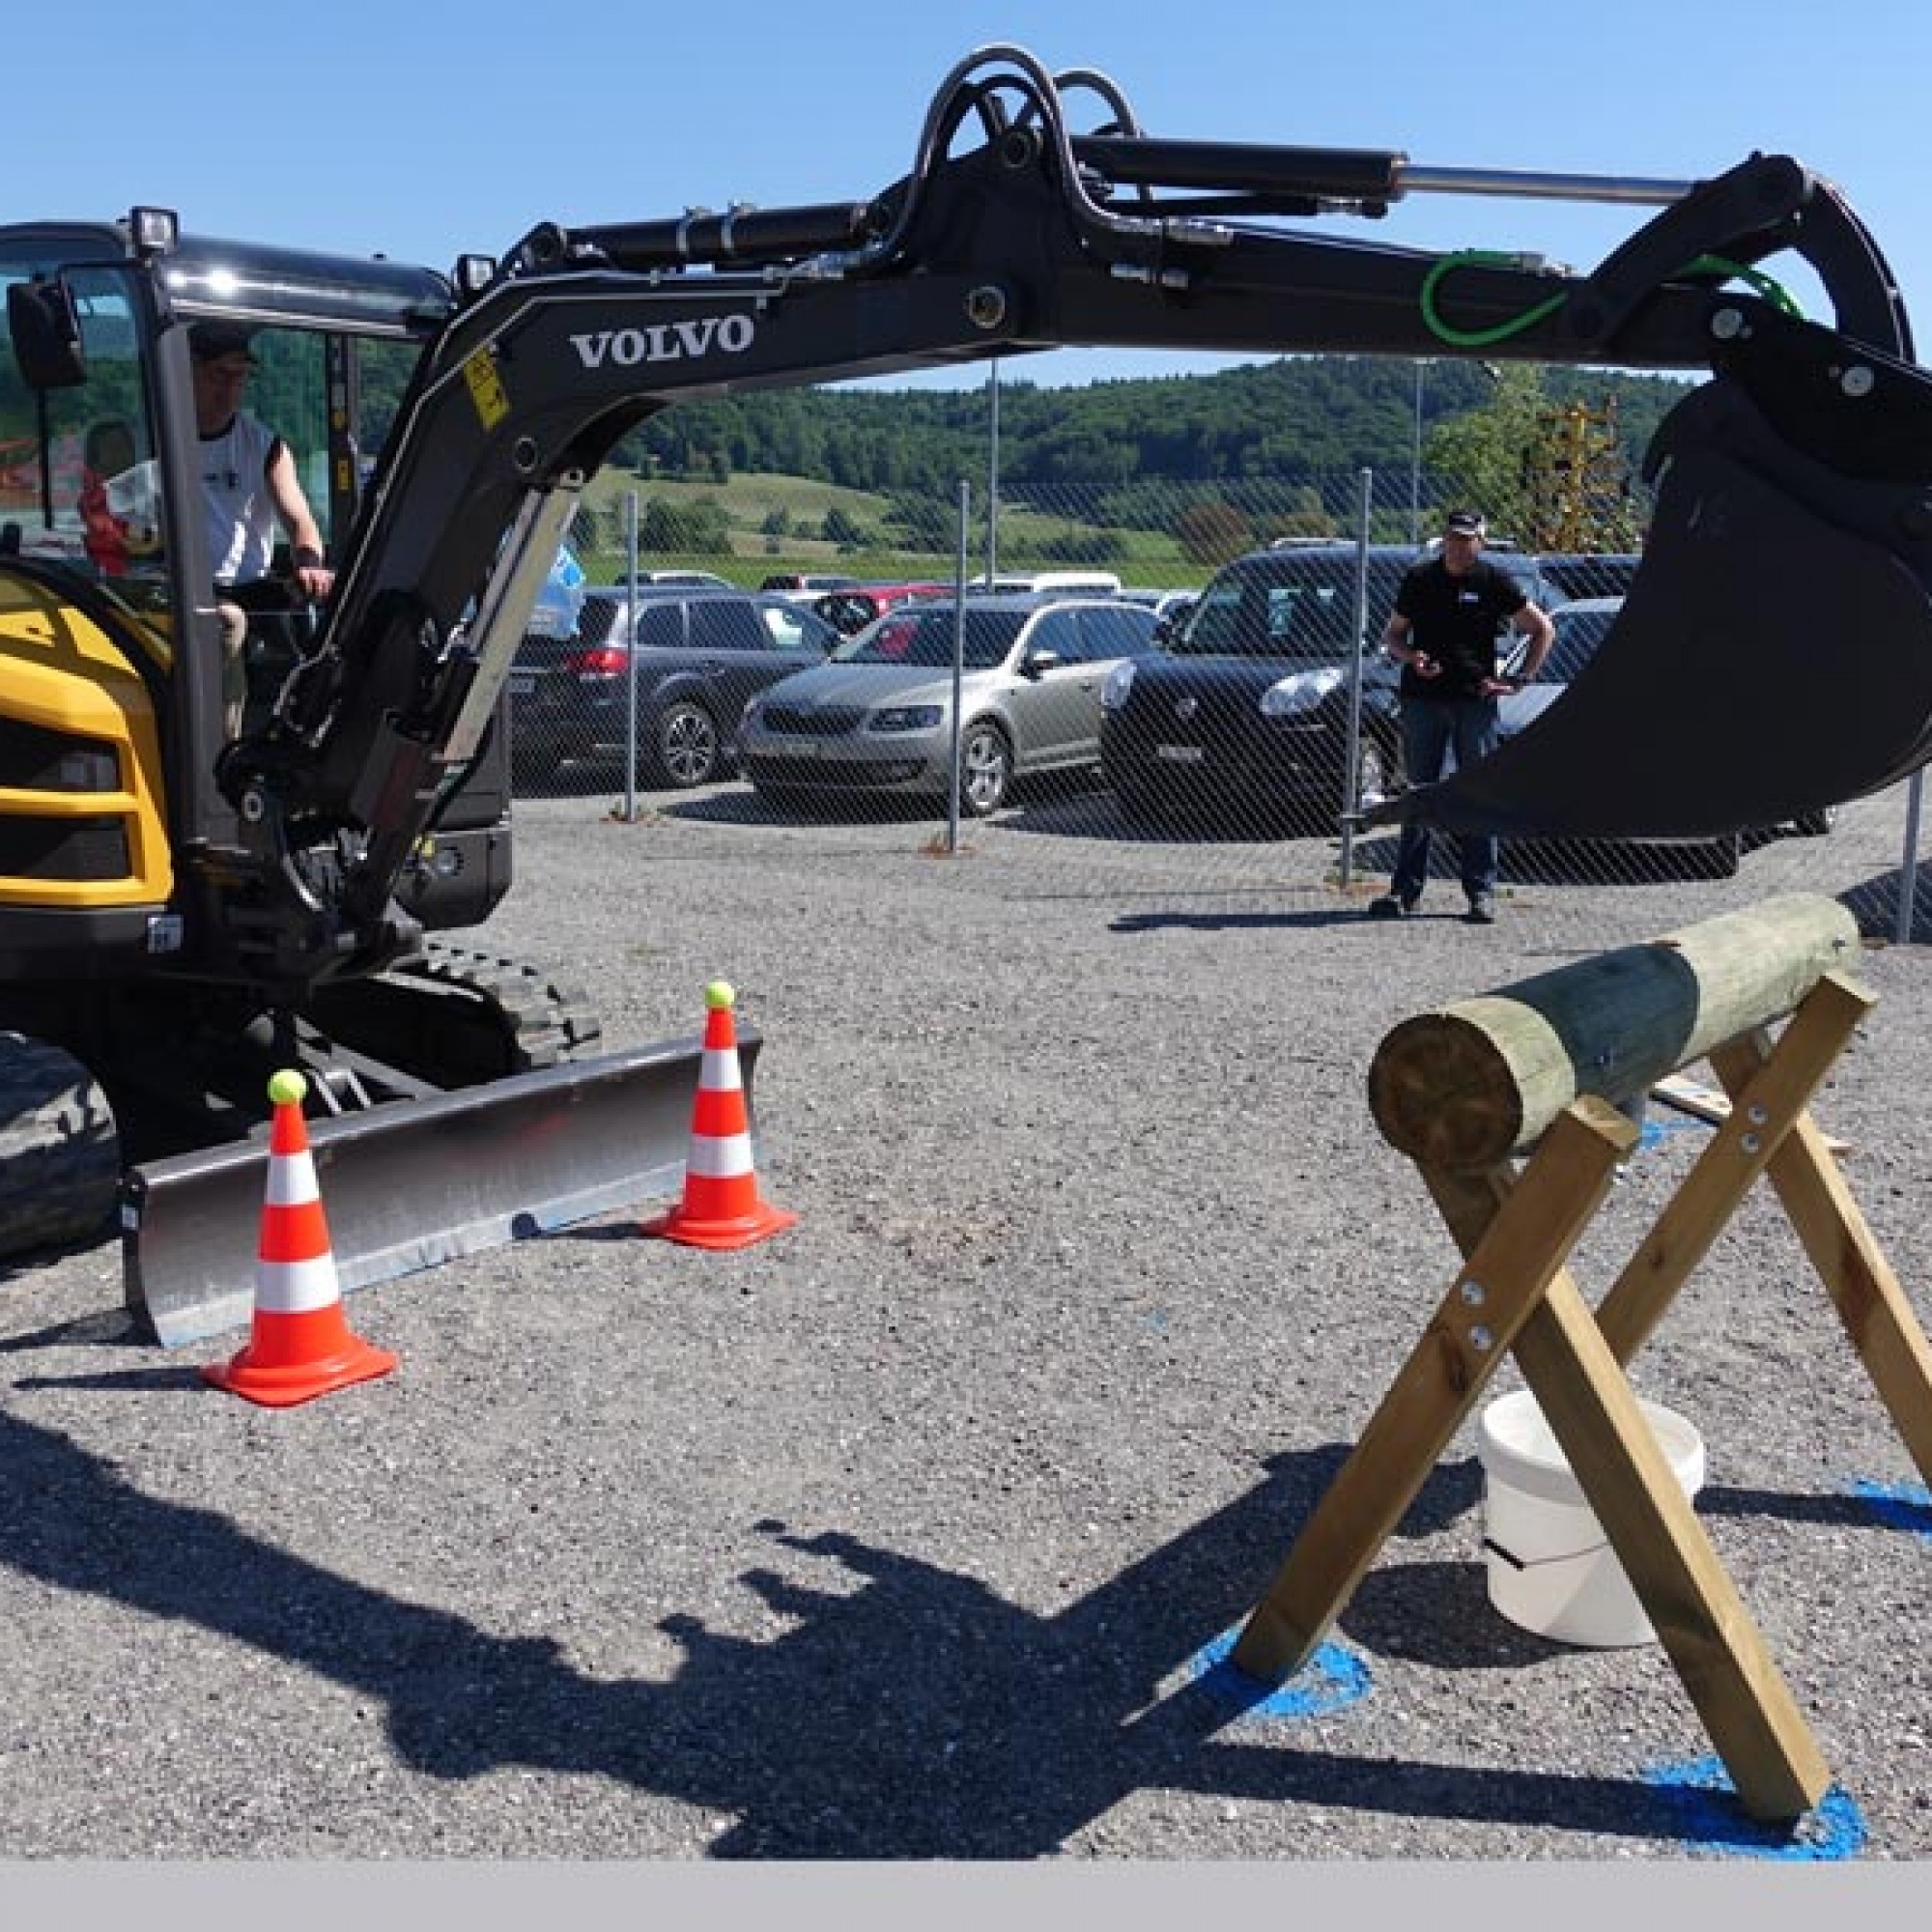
(1472, 1083)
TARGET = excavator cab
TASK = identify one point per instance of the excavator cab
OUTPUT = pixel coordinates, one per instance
(108, 628)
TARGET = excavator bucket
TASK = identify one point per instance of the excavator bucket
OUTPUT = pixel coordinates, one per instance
(407, 1184)
(1772, 657)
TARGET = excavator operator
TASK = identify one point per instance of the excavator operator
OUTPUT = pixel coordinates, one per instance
(250, 490)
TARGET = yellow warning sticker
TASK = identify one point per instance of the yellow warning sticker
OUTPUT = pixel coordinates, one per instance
(486, 389)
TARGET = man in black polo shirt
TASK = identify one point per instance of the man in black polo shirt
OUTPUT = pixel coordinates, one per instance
(1443, 631)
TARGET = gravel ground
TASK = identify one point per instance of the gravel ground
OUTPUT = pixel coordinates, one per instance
(910, 1533)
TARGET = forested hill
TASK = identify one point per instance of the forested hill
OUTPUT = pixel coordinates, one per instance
(1292, 419)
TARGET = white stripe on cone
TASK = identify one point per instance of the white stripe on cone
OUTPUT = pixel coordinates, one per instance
(297, 1288)
(719, 1156)
(718, 1071)
(292, 1182)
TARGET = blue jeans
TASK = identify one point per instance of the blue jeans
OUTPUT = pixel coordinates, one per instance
(1432, 728)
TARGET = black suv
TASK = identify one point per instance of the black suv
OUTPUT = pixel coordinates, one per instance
(1244, 715)
(698, 657)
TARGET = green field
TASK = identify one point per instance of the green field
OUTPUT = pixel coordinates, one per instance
(749, 503)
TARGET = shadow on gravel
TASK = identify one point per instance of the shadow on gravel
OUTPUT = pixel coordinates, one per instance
(1229, 922)
(1070, 812)
(1877, 903)
(917, 1716)
(1849, 1511)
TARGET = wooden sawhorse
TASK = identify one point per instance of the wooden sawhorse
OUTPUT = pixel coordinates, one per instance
(1535, 1067)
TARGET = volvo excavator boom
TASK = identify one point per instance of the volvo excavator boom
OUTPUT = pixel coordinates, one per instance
(1809, 444)
(1016, 230)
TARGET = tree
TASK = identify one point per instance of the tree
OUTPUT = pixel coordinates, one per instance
(843, 528)
(698, 528)
(1479, 456)
(924, 522)
(1579, 481)
(1210, 533)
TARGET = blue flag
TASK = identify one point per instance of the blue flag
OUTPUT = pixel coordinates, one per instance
(560, 598)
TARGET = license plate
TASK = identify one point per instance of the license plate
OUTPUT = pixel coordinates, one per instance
(1180, 754)
(796, 747)
(523, 684)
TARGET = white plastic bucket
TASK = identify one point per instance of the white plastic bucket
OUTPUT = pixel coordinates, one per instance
(1550, 1567)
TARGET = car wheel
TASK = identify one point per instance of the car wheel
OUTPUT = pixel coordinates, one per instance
(985, 768)
(684, 745)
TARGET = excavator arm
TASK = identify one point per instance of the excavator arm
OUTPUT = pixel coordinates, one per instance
(1777, 633)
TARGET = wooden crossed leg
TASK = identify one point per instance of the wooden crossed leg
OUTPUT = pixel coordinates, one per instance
(1517, 1230)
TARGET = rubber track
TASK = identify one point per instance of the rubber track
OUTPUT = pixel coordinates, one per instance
(547, 1023)
(60, 1155)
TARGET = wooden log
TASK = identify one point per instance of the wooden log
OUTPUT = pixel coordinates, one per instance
(1470, 1083)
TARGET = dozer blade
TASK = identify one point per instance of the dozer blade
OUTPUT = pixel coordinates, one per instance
(1774, 657)
(407, 1184)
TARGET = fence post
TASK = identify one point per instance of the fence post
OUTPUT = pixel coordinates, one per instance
(992, 469)
(958, 658)
(631, 614)
(1351, 762)
(1908, 863)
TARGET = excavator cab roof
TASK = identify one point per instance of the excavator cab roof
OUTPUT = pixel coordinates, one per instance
(255, 282)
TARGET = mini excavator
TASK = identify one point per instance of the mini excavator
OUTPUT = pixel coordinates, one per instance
(182, 910)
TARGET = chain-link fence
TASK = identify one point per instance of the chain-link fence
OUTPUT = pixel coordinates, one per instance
(1237, 700)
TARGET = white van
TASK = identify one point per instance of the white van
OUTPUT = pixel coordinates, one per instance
(1092, 583)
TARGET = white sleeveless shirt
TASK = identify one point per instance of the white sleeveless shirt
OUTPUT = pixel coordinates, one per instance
(241, 513)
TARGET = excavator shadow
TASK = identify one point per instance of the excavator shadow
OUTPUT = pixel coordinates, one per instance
(901, 1709)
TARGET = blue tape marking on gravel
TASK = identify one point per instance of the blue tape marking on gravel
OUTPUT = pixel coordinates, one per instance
(1331, 1678)
(1656, 1131)
(1904, 1506)
(1705, 1801)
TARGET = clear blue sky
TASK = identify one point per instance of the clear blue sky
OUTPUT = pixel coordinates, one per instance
(423, 132)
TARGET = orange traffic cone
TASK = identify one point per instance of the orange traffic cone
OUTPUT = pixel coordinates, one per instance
(299, 1344)
(721, 1207)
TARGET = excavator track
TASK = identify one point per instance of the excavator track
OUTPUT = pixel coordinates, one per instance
(60, 1160)
(547, 1022)
(456, 1016)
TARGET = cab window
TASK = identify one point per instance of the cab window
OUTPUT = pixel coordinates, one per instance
(78, 482)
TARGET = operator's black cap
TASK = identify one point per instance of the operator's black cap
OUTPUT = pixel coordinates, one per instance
(1463, 524)
(207, 340)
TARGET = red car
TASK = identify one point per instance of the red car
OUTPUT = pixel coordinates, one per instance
(850, 610)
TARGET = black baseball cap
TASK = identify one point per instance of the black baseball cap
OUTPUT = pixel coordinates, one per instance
(1463, 524)
(207, 340)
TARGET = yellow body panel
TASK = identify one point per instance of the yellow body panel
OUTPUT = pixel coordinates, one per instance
(60, 672)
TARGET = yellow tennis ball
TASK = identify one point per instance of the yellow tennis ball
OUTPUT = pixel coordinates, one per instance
(287, 1088)
(720, 994)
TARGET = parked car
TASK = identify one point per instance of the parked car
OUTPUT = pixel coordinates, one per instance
(876, 719)
(1020, 581)
(1244, 715)
(1171, 612)
(1575, 574)
(804, 584)
(1581, 625)
(700, 654)
(850, 610)
(676, 580)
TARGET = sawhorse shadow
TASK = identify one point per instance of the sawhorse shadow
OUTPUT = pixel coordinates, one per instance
(919, 1716)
